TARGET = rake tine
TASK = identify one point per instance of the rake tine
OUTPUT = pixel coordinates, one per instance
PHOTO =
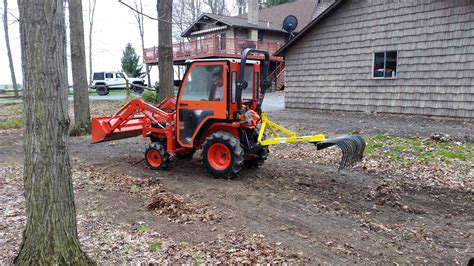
(352, 148)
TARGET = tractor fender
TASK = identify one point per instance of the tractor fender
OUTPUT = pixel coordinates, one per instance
(213, 125)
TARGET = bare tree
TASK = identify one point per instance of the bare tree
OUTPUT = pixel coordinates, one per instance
(141, 28)
(91, 25)
(9, 51)
(165, 49)
(217, 7)
(50, 236)
(82, 113)
(242, 6)
(185, 12)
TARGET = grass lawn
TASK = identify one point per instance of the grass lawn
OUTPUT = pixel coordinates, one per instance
(111, 92)
(410, 150)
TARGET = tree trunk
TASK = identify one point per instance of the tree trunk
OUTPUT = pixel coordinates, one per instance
(165, 49)
(50, 236)
(9, 51)
(82, 114)
(91, 25)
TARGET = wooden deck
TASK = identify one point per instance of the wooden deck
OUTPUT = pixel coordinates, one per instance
(213, 47)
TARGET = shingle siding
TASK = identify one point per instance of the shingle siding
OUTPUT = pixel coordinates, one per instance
(331, 67)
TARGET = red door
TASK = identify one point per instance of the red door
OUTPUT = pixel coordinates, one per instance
(203, 96)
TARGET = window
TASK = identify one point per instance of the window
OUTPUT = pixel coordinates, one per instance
(109, 76)
(200, 43)
(204, 83)
(98, 76)
(247, 93)
(120, 75)
(385, 64)
(257, 86)
(221, 41)
(234, 85)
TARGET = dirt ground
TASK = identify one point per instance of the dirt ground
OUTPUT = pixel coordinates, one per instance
(288, 210)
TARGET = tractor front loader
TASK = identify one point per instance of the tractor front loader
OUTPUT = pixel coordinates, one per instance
(217, 110)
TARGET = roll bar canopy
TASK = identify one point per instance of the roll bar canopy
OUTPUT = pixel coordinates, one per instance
(242, 84)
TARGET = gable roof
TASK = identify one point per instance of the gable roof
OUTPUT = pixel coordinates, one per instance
(269, 19)
(234, 22)
(301, 9)
(325, 13)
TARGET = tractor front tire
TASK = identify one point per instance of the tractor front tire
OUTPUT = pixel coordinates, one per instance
(222, 155)
(156, 156)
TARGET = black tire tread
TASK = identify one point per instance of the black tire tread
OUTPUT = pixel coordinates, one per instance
(237, 153)
(165, 156)
(106, 92)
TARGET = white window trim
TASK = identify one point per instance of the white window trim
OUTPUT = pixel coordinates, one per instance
(373, 64)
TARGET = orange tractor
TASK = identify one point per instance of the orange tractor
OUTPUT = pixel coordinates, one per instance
(217, 110)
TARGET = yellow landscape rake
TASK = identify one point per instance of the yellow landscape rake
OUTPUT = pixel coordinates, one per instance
(352, 147)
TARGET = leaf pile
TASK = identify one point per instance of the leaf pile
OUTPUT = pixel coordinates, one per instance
(238, 248)
(386, 193)
(178, 210)
(174, 207)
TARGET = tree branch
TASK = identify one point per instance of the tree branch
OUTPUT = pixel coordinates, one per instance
(143, 14)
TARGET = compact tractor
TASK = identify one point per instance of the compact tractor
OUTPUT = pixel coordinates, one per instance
(218, 109)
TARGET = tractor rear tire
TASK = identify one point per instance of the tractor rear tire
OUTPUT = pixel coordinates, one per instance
(259, 159)
(222, 155)
(156, 156)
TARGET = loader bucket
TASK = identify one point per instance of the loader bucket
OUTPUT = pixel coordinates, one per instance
(352, 148)
(102, 131)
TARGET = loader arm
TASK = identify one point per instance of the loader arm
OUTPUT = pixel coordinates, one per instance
(129, 121)
(352, 147)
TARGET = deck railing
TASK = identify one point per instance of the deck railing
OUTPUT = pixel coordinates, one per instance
(213, 46)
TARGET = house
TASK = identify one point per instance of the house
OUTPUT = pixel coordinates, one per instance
(410, 57)
(216, 36)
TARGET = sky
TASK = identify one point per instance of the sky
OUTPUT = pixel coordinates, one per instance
(114, 26)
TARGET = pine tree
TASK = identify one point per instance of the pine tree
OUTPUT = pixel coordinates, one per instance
(130, 62)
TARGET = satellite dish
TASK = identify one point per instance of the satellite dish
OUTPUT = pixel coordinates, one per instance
(289, 24)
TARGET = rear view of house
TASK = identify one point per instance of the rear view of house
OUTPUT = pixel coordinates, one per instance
(412, 57)
(219, 36)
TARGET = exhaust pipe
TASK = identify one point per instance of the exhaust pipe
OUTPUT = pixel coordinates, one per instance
(352, 148)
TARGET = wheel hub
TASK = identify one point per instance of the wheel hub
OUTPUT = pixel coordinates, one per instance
(219, 156)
